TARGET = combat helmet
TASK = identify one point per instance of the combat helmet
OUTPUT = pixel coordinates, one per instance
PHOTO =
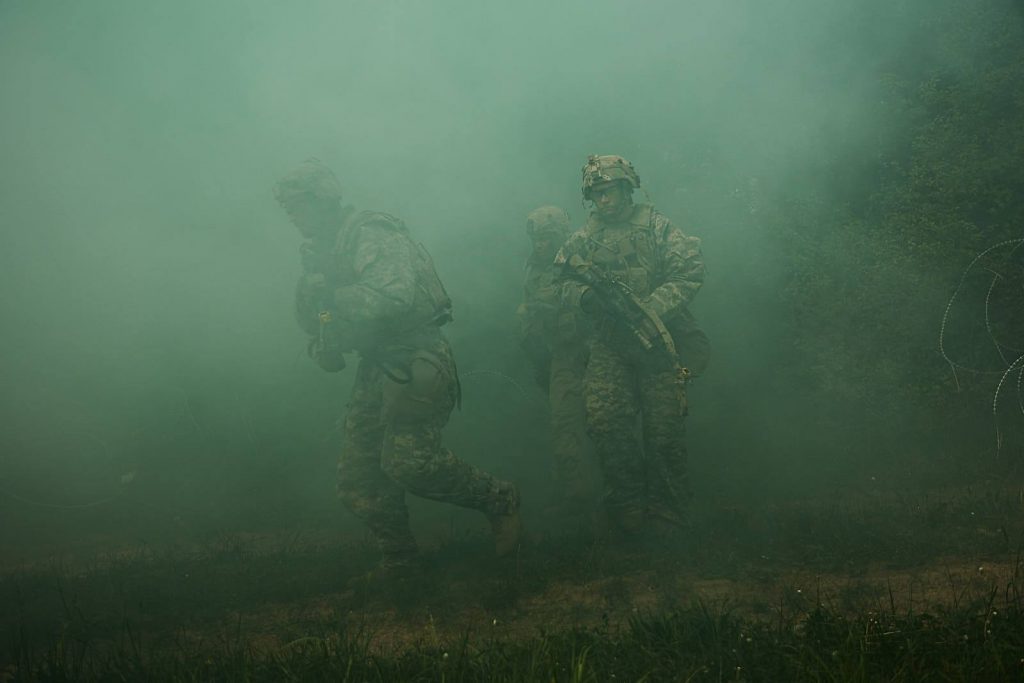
(605, 168)
(310, 177)
(547, 220)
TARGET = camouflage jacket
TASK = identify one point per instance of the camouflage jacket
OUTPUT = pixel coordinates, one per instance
(662, 266)
(379, 286)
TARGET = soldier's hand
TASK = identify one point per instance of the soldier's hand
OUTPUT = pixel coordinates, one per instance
(314, 261)
(314, 290)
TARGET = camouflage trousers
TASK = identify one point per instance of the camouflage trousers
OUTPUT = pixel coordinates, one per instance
(569, 444)
(392, 445)
(635, 418)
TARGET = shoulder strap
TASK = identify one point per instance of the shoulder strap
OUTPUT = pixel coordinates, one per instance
(379, 218)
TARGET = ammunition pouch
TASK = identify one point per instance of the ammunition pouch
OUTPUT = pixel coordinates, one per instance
(417, 385)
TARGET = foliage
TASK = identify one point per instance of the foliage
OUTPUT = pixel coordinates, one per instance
(876, 258)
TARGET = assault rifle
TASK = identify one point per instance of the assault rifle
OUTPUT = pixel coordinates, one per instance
(641, 325)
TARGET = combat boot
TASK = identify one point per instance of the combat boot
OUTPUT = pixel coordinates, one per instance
(506, 527)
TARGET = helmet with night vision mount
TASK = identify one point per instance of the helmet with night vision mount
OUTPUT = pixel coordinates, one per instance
(607, 168)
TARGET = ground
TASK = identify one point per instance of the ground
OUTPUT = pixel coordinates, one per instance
(772, 568)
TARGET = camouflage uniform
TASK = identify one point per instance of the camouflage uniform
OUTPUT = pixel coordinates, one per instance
(388, 304)
(644, 470)
(553, 344)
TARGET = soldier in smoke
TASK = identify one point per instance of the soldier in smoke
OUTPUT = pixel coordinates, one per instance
(368, 288)
(634, 274)
(551, 337)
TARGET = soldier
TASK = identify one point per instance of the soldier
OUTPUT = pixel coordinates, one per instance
(634, 274)
(370, 289)
(552, 341)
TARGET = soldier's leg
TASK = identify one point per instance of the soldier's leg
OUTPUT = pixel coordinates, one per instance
(612, 406)
(414, 457)
(569, 444)
(663, 400)
(362, 485)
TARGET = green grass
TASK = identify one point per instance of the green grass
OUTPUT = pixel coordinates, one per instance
(569, 608)
(982, 643)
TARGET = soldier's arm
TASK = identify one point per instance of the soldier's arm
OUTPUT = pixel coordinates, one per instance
(570, 291)
(683, 271)
(529, 331)
(385, 284)
(541, 298)
(307, 308)
(537, 315)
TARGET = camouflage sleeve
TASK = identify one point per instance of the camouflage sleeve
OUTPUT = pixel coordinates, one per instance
(682, 272)
(524, 312)
(569, 291)
(385, 284)
(539, 310)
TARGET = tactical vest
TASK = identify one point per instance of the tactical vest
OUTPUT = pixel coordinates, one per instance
(431, 305)
(628, 250)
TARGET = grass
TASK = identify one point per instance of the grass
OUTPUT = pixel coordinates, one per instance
(895, 589)
(981, 643)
